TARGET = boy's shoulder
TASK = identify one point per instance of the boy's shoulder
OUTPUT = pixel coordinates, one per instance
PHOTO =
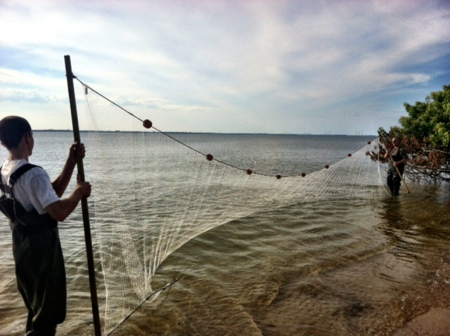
(13, 169)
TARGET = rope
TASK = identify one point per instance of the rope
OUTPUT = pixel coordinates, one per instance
(248, 171)
(156, 293)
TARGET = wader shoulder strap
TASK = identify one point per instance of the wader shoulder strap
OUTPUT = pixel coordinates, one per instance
(6, 189)
(19, 172)
(21, 220)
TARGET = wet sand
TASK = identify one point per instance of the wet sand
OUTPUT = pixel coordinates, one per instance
(435, 322)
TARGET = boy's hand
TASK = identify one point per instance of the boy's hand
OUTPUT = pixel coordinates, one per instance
(84, 187)
(77, 151)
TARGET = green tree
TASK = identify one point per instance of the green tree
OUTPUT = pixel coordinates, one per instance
(426, 136)
(429, 121)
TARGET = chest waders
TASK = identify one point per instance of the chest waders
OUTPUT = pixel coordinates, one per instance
(394, 179)
(40, 272)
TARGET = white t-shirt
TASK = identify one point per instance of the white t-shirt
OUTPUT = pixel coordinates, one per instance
(33, 189)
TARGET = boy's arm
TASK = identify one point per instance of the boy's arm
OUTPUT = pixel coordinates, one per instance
(62, 181)
(60, 210)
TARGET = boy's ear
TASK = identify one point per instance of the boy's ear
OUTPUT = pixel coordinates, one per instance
(25, 139)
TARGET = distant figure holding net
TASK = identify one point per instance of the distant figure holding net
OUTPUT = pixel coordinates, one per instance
(398, 156)
(33, 205)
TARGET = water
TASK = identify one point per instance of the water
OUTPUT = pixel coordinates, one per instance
(342, 267)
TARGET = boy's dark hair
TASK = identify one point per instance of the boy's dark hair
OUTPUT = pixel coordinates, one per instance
(12, 130)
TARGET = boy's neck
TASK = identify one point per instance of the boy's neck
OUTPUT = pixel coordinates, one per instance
(18, 155)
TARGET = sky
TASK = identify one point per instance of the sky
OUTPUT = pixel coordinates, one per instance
(249, 66)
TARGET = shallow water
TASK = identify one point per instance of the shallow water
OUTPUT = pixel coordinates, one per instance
(342, 267)
(307, 276)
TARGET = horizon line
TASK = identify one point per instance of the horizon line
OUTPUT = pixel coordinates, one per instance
(192, 132)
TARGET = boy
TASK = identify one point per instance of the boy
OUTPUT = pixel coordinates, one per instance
(33, 205)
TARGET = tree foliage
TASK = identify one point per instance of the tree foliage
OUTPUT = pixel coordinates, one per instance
(425, 134)
(429, 121)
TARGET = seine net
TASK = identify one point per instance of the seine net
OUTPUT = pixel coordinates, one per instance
(152, 193)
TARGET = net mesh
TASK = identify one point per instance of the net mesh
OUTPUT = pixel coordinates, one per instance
(171, 192)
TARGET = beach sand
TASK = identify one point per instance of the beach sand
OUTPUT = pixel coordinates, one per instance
(436, 322)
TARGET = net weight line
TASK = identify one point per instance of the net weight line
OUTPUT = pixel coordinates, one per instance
(153, 295)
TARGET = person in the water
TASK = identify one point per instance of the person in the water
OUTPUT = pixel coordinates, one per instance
(34, 206)
(398, 156)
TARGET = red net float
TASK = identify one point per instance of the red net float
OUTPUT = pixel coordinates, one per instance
(209, 157)
(249, 171)
(147, 123)
(278, 177)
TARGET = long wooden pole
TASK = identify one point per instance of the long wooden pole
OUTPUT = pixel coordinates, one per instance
(390, 157)
(84, 204)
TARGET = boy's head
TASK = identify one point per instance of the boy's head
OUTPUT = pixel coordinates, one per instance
(12, 130)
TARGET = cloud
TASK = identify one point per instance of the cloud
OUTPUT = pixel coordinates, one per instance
(158, 104)
(277, 59)
(26, 95)
(21, 86)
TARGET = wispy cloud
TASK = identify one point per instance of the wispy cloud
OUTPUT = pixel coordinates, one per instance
(293, 61)
(26, 95)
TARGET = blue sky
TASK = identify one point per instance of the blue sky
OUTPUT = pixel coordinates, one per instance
(254, 66)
